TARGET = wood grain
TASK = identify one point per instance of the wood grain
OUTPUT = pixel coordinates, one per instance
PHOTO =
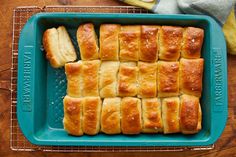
(225, 146)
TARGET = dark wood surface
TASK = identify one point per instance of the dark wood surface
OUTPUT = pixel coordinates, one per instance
(225, 146)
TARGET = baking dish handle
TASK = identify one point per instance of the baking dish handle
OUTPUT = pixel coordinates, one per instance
(25, 85)
(219, 77)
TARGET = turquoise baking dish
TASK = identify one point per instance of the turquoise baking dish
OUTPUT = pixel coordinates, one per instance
(41, 88)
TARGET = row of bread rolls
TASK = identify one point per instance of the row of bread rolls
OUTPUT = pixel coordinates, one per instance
(129, 115)
(142, 79)
(139, 42)
(124, 43)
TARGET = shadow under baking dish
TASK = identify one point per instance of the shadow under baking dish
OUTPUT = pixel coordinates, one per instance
(41, 88)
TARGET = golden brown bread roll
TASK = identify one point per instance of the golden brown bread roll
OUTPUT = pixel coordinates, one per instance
(191, 72)
(170, 115)
(58, 46)
(108, 79)
(170, 40)
(192, 42)
(147, 80)
(109, 42)
(87, 41)
(149, 43)
(151, 115)
(90, 77)
(91, 115)
(127, 79)
(72, 120)
(74, 79)
(110, 117)
(168, 78)
(190, 114)
(131, 115)
(129, 38)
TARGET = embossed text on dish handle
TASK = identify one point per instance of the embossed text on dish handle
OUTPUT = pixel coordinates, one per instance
(218, 79)
(27, 94)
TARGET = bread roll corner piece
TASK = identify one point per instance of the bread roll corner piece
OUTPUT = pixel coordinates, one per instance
(190, 114)
(72, 120)
(91, 115)
(58, 47)
(131, 115)
(87, 41)
(151, 113)
(170, 115)
(192, 43)
(110, 116)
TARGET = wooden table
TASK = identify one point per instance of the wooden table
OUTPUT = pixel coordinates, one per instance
(225, 146)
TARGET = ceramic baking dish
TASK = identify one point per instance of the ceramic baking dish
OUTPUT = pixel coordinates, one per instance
(41, 88)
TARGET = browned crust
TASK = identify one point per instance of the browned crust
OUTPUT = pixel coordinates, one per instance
(91, 115)
(129, 38)
(131, 116)
(192, 42)
(87, 41)
(170, 40)
(147, 79)
(151, 110)
(168, 78)
(48, 49)
(109, 41)
(72, 115)
(127, 80)
(108, 78)
(90, 78)
(149, 43)
(73, 68)
(189, 114)
(171, 123)
(110, 117)
(191, 73)
(73, 73)
(58, 46)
